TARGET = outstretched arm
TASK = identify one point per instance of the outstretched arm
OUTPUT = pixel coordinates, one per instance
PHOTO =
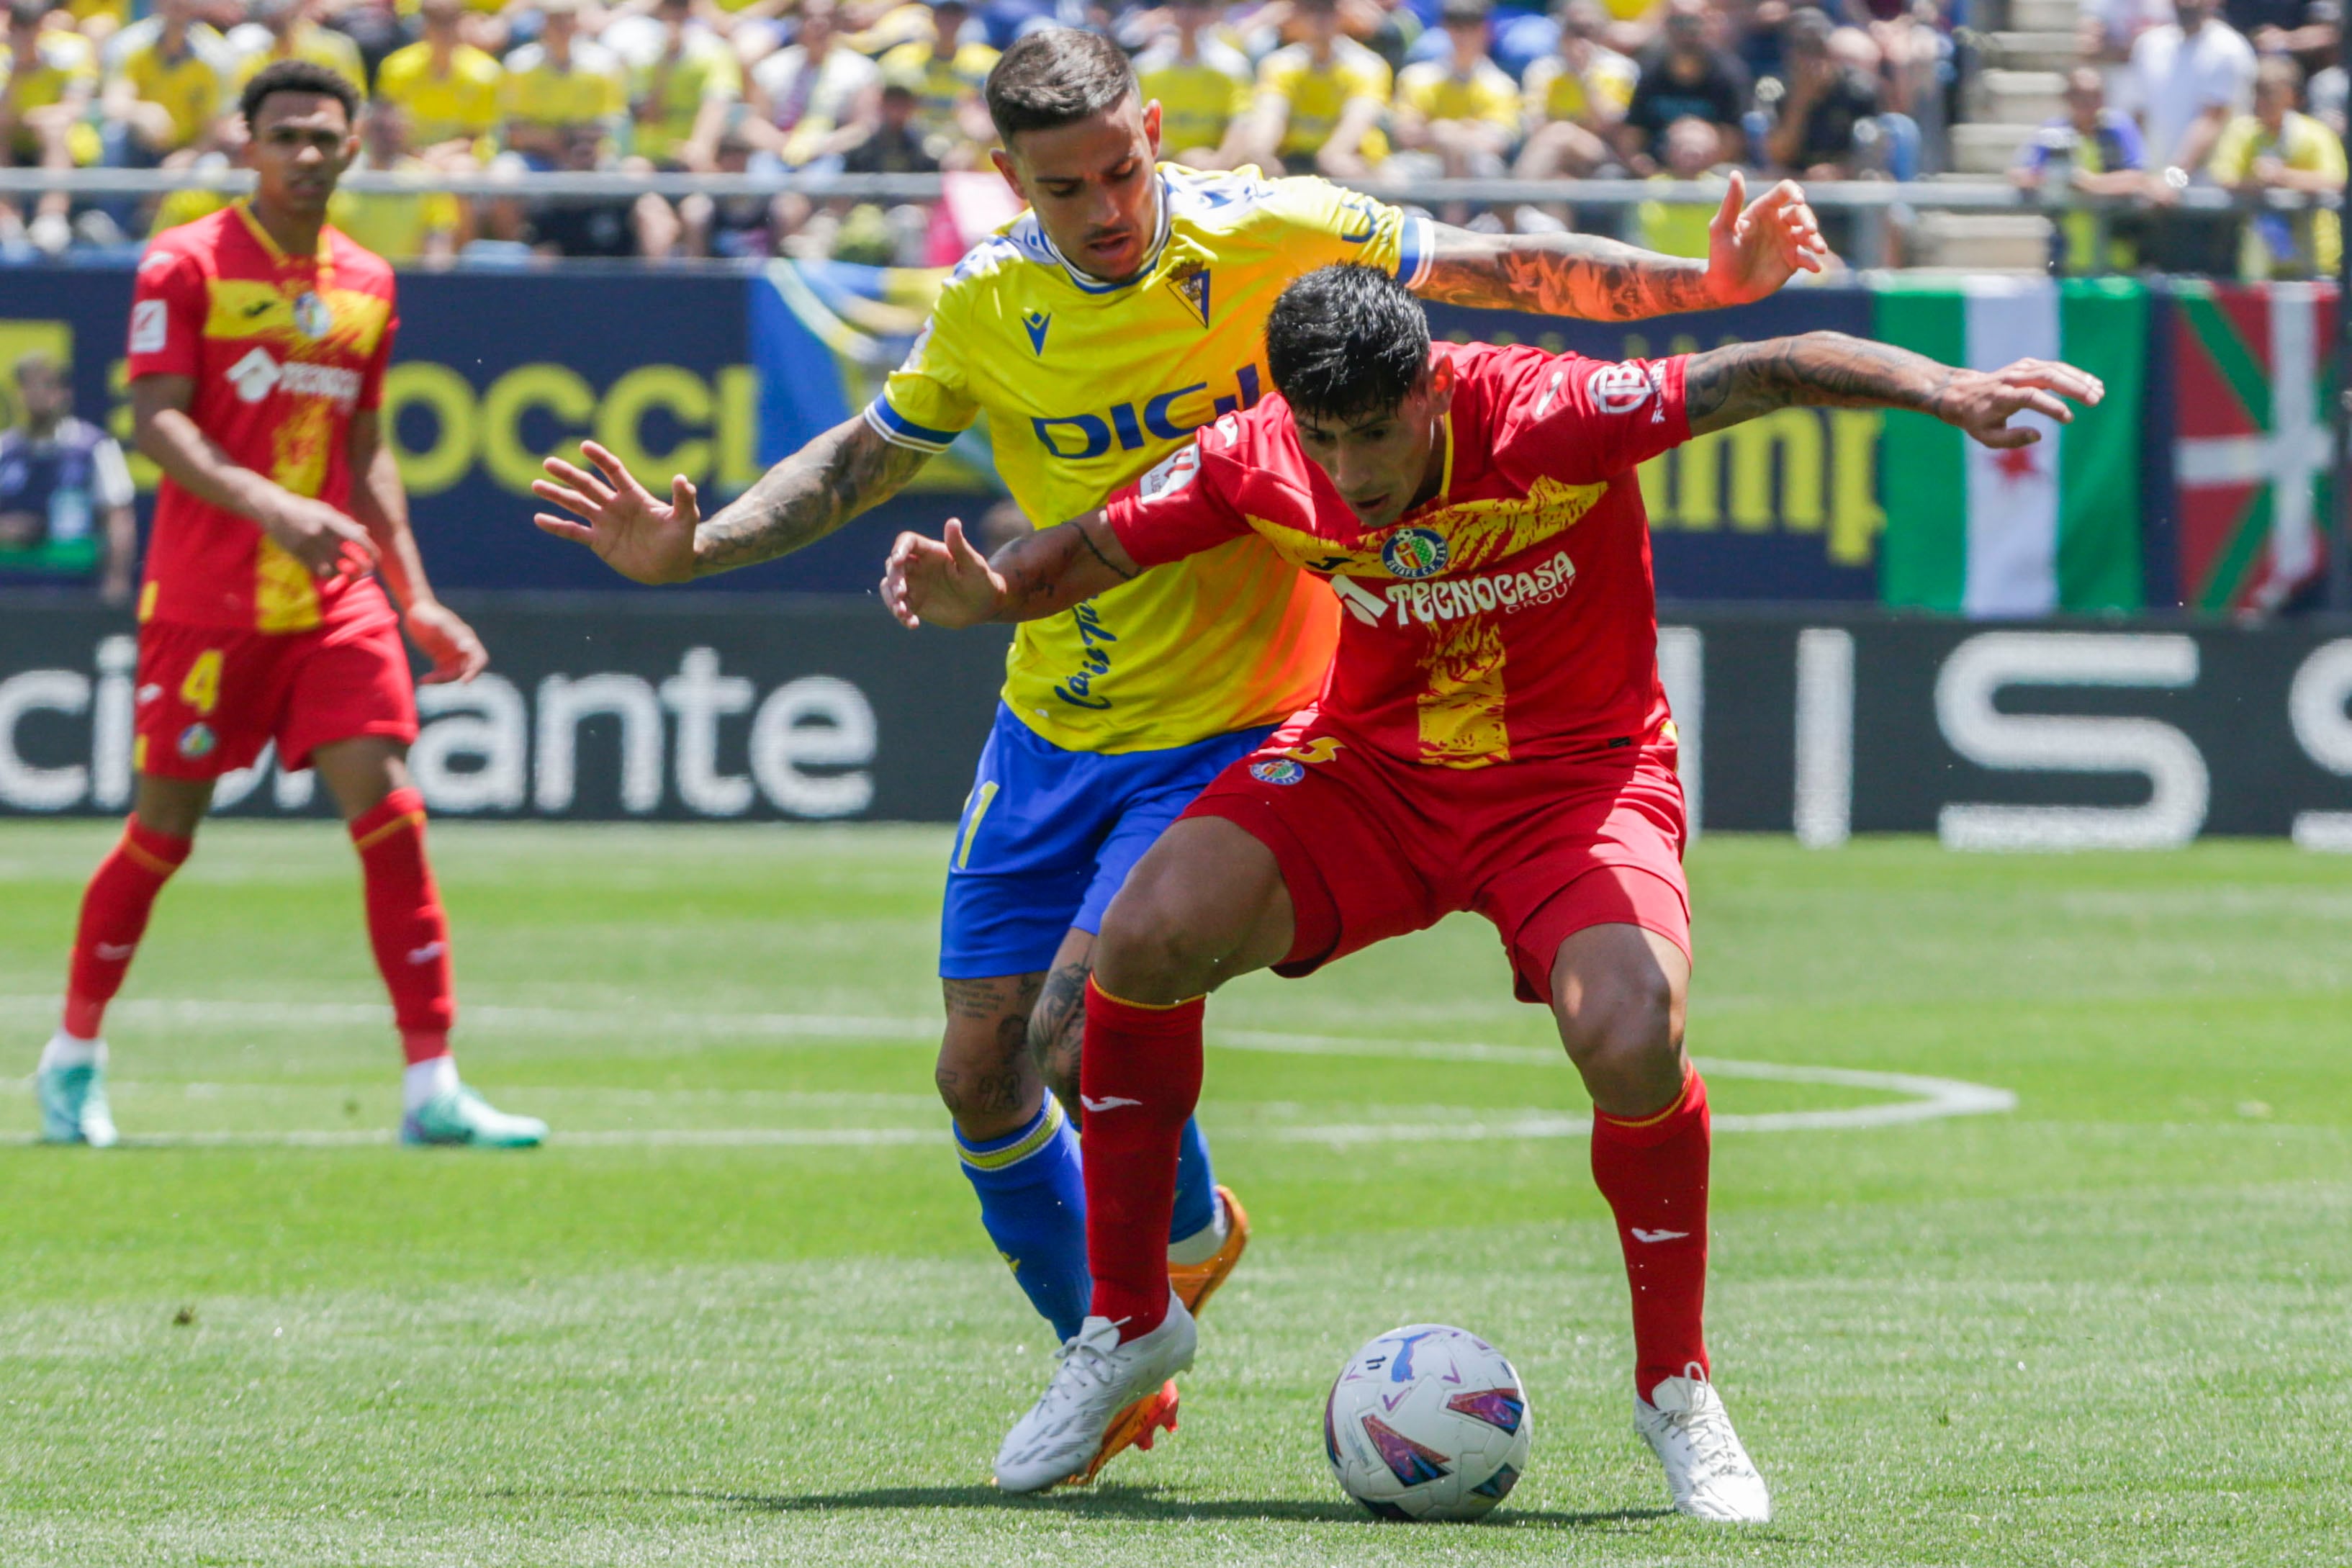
(947, 582)
(1726, 385)
(843, 472)
(1753, 247)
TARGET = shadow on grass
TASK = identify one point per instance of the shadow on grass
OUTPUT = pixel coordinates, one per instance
(1135, 1503)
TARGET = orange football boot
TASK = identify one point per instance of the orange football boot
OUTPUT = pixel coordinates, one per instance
(1133, 1428)
(1194, 1283)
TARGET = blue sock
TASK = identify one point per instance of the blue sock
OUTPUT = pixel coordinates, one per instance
(1032, 1202)
(1196, 1185)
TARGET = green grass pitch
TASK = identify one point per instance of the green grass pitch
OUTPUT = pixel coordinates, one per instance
(740, 1310)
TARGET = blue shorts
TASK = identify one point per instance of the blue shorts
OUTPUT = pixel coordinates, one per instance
(1049, 835)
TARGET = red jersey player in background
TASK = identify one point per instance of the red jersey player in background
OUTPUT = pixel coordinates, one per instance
(1492, 736)
(258, 340)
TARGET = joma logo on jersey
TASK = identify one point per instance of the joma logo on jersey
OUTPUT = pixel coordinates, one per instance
(1078, 437)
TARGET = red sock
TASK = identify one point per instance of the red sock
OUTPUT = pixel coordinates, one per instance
(1139, 1077)
(1652, 1170)
(410, 934)
(113, 917)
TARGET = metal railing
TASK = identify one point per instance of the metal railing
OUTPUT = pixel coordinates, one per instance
(1877, 208)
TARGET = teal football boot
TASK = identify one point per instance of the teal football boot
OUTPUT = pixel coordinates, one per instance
(73, 1106)
(461, 1118)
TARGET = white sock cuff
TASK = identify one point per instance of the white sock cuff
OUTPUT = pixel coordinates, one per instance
(420, 1082)
(1202, 1243)
(65, 1051)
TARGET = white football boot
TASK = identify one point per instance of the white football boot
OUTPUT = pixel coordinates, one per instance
(1707, 1469)
(1099, 1382)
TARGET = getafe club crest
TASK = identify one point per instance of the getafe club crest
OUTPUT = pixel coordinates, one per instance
(1277, 771)
(1190, 283)
(1414, 552)
(312, 318)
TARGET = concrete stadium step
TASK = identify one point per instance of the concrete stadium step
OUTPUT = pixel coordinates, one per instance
(1981, 148)
(2031, 51)
(1981, 242)
(2043, 16)
(2021, 96)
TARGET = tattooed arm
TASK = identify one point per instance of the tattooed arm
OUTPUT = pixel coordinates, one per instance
(1752, 249)
(947, 583)
(843, 472)
(1726, 385)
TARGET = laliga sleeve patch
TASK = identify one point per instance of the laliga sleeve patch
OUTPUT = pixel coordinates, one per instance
(151, 327)
(1171, 475)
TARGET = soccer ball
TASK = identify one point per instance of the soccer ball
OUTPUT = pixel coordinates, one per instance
(1427, 1422)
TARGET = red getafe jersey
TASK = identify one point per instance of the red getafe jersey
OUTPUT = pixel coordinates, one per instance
(283, 351)
(1510, 616)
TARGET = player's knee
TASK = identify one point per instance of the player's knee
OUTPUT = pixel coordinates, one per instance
(1619, 1021)
(1166, 937)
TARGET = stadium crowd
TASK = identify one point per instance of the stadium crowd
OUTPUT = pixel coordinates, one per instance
(2165, 93)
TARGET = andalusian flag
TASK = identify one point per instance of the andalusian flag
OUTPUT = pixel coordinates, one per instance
(2051, 527)
(2255, 381)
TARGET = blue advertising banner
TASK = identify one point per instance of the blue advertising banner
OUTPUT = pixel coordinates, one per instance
(716, 374)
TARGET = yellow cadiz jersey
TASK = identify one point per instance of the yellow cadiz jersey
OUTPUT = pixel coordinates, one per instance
(1198, 98)
(1433, 91)
(192, 85)
(1086, 385)
(463, 103)
(1314, 95)
(594, 90)
(306, 40)
(1553, 90)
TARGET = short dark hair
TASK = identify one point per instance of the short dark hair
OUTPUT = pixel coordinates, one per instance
(1344, 341)
(297, 76)
(1056, 77)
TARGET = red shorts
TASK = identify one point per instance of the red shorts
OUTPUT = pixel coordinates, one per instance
(210, 698)
(1371, 846)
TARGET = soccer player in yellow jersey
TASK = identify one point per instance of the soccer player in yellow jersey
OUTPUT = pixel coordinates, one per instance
(1123, 311)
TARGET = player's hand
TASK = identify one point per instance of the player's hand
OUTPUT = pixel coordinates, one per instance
(945, 580)
(1754, 247)
(635, 534)
(327, 543)
(456, 652)
(1981, 401)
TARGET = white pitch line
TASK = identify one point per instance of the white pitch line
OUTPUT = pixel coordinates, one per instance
(1925, 1098)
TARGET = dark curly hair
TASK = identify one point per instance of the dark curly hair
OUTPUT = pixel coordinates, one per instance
(298, 76)
(1344, 341)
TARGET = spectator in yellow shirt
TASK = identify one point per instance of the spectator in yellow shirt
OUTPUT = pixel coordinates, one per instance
(682, 93)
(402, 226)
(449, 87)
(2279, 147)
(1680, 228)
(168, 86)
(46, 78)
(1202, 85)
(946, 75)
(289, 30)
(1320, 101)
(559, 88)
(1458, 116)
(1571, 99)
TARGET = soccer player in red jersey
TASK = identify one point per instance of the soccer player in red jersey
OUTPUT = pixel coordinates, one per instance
(259, 341)
(1491, 736)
